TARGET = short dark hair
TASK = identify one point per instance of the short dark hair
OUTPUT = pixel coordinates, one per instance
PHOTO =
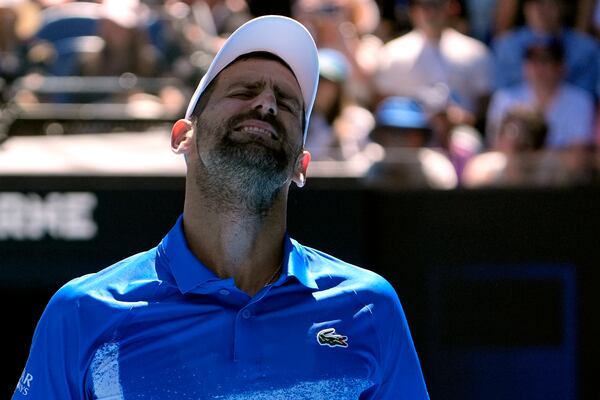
(550, 49)
(263, 55)
(531, 125)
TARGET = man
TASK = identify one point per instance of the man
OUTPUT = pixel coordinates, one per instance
(434, 54)
(228, 306)
(544, 20)
(515, 158)
(568, 109)
(403, 131)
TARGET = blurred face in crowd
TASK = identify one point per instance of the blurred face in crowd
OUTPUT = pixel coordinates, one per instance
(513, 137)
(327, 95)
(543, 16)
(249, 132)
(431, 17)
(543, 71)
(8, 20)
(323, 18)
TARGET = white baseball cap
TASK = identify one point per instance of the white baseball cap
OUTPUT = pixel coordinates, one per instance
(282, 36)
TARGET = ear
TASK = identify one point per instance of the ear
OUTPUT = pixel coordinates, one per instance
(182, 137)
(299, 177)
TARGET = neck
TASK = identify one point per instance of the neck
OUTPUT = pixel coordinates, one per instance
(433, 35)
(234, 241)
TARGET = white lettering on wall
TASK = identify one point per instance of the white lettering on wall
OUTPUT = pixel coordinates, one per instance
(65, 216)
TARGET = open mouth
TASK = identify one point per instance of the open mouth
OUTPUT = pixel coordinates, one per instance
(258, 130)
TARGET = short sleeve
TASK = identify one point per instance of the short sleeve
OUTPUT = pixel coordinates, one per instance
(400, 370)
(52, 369)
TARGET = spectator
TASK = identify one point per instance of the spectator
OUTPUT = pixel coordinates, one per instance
(346, 26)
(585, 19)
(543, 20)
(433, 54)
(519, 159)
(481, 15)
(394, 19)
(402, 130)
(569, 110)
(86, 38)
(458, 141)
(522, 133)
(127, 47)
(18, 21)
(193, 31)
(459, 16)
(506, 16)
(523, 129)
(338, 127)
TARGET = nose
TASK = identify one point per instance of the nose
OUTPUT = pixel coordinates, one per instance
(265, 102)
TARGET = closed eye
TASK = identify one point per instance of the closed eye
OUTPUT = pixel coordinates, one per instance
(242, 95)
(286, 106)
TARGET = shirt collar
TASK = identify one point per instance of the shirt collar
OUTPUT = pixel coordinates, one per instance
(296, 264)
(189, 272)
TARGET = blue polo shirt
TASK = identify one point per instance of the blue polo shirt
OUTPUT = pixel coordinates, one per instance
(161, 325)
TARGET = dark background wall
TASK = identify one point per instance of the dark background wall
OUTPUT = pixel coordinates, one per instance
(499, 286)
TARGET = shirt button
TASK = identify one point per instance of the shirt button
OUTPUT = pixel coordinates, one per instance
(224, 292)
(246, 314)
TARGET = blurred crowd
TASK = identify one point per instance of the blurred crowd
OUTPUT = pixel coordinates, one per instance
(432, 93)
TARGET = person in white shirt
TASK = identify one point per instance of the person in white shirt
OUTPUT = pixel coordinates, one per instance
(433, 54)
(569, 110)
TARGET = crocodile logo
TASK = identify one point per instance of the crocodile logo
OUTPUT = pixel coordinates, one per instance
(328, 337)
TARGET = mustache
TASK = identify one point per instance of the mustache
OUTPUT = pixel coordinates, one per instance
(255, 114)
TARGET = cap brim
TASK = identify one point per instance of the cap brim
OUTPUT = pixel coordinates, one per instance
(279, 35)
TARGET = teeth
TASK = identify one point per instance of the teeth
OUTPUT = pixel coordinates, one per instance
(254, 129)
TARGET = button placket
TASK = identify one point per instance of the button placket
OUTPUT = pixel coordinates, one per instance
(245, 348)
(242, 349)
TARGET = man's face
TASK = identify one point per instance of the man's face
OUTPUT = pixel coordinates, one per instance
(251, 127)
(543, 15)
(542, 71)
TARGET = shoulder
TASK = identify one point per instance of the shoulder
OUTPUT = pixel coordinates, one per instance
(508, 46)
(409, 37)
(333, 274)
(455, 39)
(575, 91)
(580, 41)
(117, 286)
(574, 94)
(403, 46)
(516, 37)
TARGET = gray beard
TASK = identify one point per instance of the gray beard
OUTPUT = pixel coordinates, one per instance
(241, 178)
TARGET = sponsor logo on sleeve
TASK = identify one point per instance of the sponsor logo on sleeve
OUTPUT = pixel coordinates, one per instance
(24, 384)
